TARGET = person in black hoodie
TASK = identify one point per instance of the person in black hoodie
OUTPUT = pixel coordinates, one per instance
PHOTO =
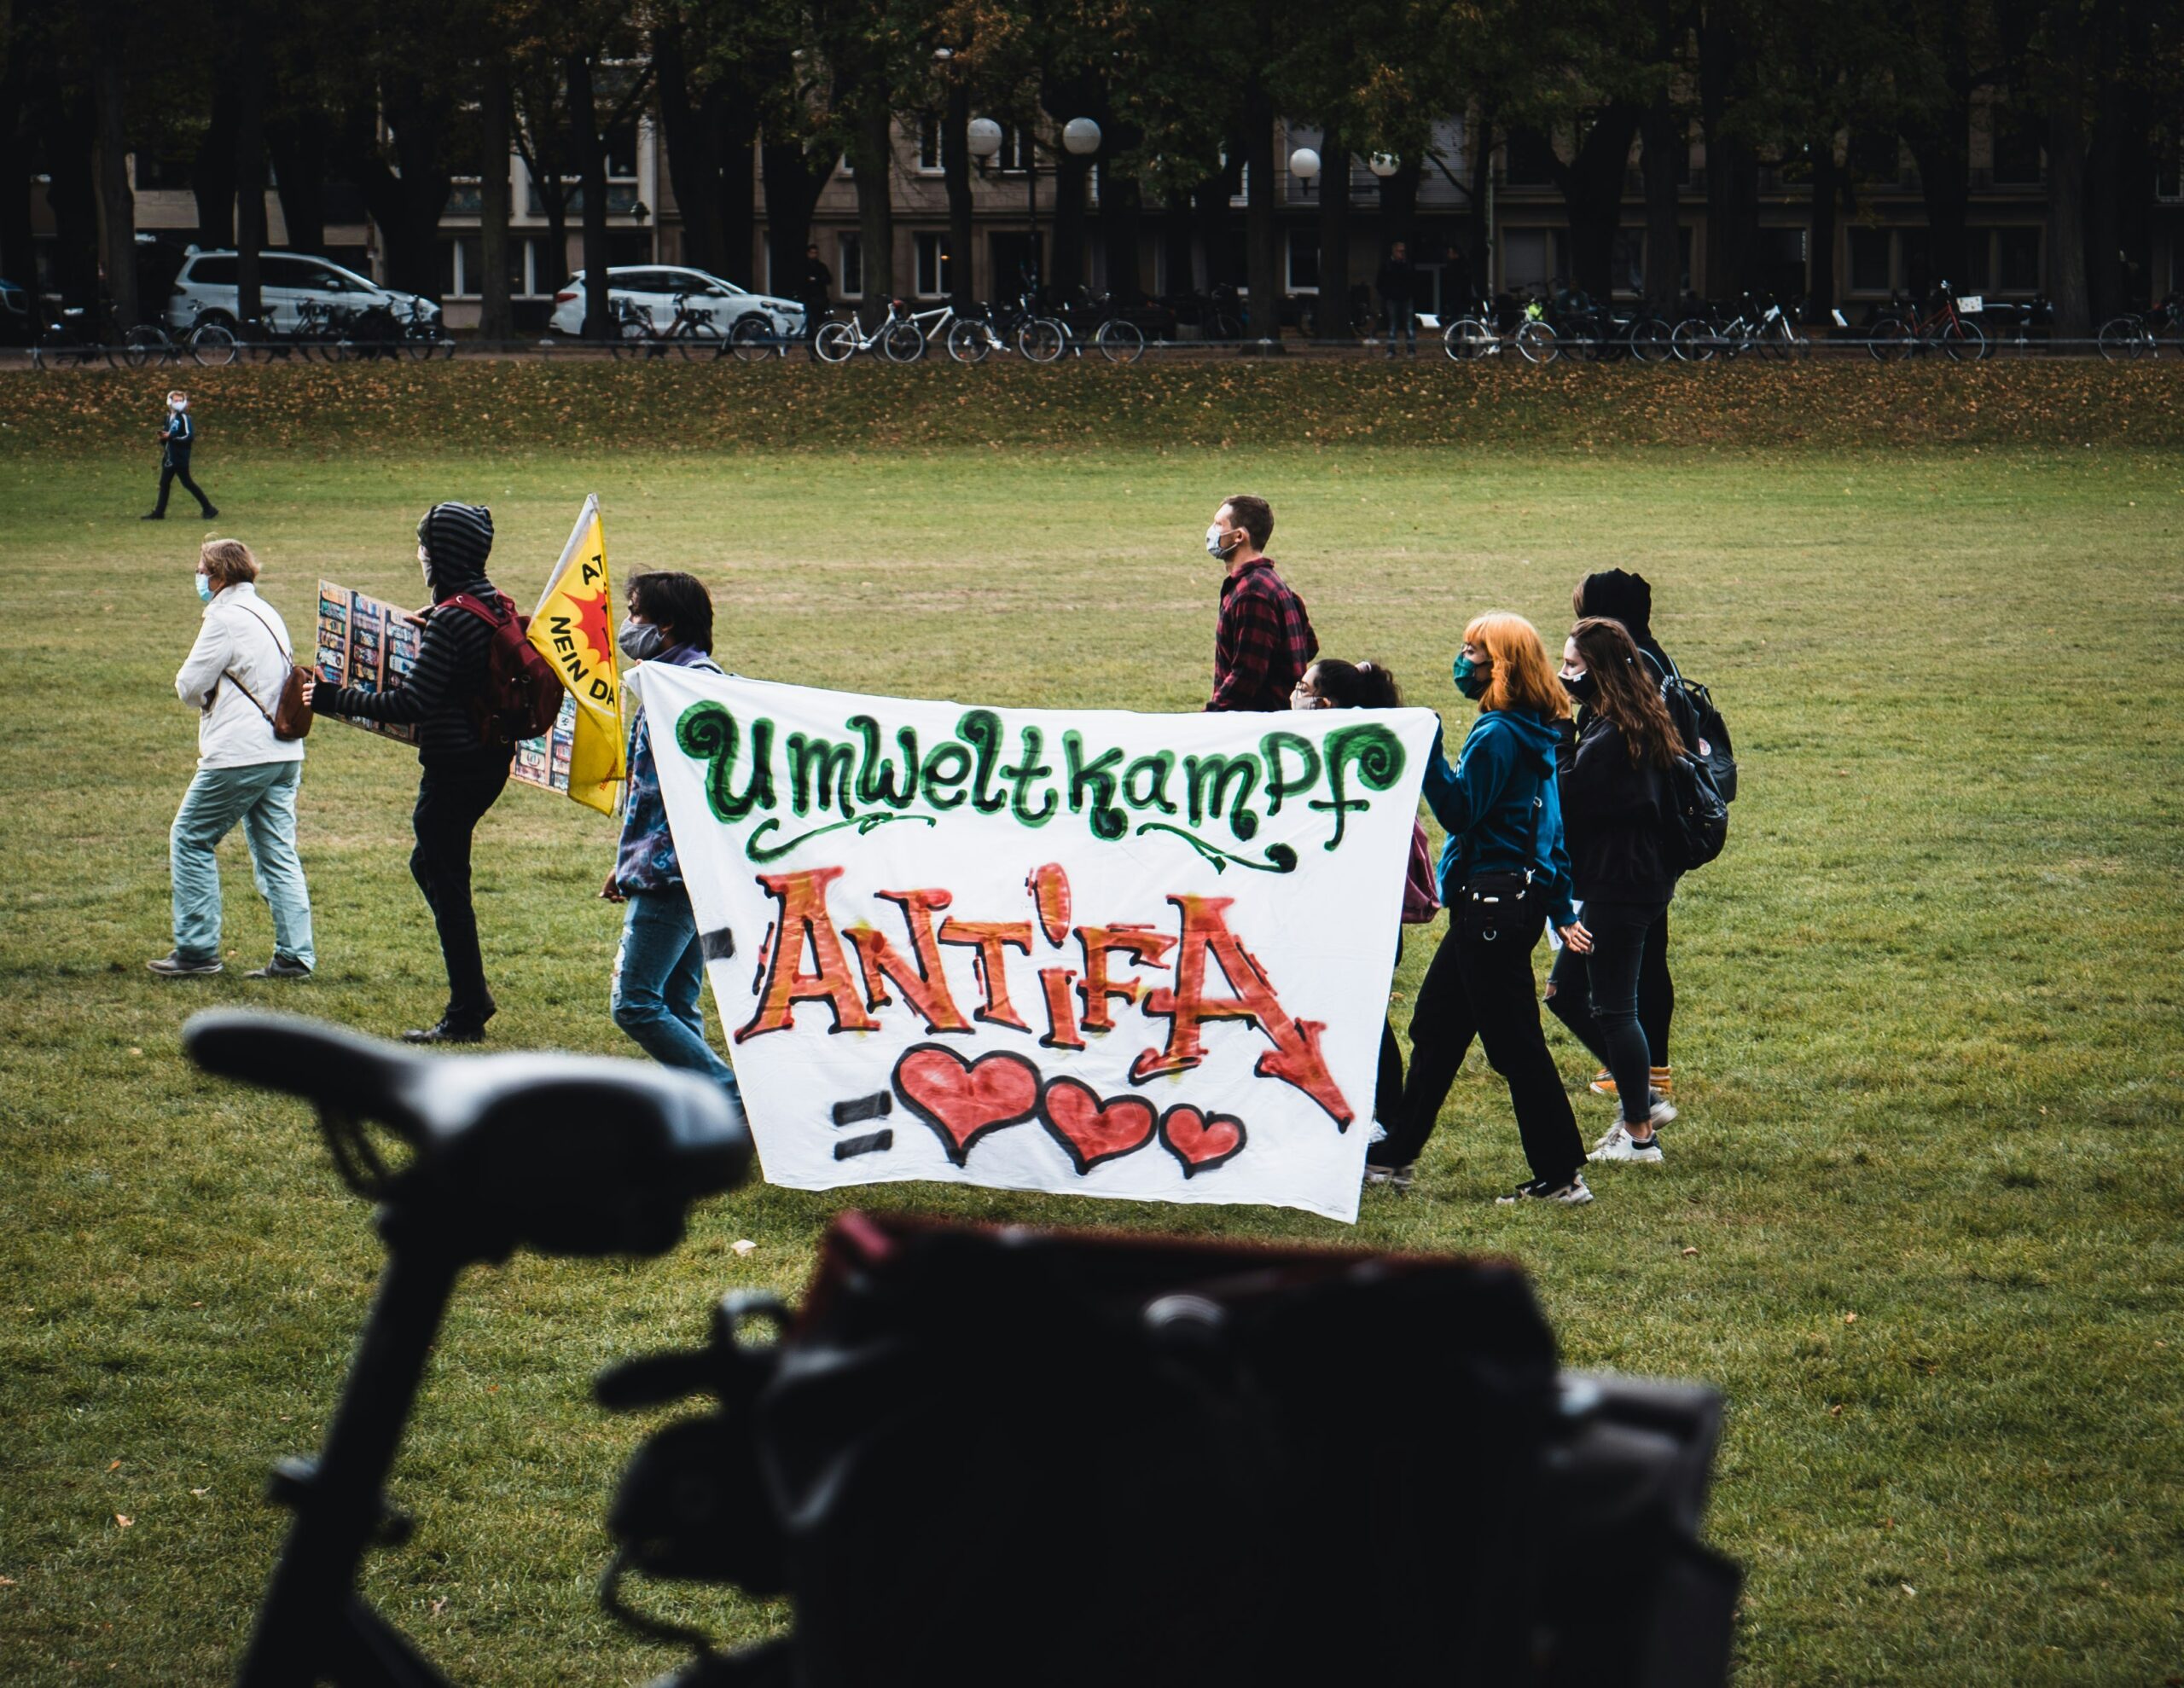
(1623, 595)
(464, 771)
(1616, 803)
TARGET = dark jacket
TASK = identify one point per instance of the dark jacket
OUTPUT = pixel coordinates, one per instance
(1399, 280)
(450, 677)
(1500, 807)
(176, 438)
(1624, 596)
(1616, 817)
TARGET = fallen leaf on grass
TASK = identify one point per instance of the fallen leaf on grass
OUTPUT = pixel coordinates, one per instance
(439, 1605)
(1836, 1411)
(1849, 1318)
(115, 1466)
(1688, 1253)
(7, 1582)
(124, 1520)
(1906, 1588)
(744, 1245)
(200, 1492)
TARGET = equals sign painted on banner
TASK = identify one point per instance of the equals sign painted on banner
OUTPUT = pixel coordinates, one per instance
(854, 1111)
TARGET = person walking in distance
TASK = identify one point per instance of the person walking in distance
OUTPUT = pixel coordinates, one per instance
(815, 290)
(463, 770)
(1627, 597)
(1504, 874)
(1618, 805)
(246, 773)
(177, 434)
(1398, 291)
(659, 967)
(1262, 639)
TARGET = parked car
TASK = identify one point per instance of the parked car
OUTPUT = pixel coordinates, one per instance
(204, 289)
(653, 288)
(16, 327)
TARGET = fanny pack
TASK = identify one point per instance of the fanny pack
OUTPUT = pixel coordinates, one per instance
(1491, 904)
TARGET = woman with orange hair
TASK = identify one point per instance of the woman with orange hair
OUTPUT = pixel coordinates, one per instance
(1504, 874)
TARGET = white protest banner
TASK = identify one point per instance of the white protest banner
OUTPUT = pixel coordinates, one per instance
(1074, 950)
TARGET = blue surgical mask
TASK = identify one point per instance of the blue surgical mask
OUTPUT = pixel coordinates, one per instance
(204, 589)
(1471, 677)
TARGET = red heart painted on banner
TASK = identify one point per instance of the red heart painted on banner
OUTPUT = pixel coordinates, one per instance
(1092, 1131)
(963, 1100)
(1199, 1143)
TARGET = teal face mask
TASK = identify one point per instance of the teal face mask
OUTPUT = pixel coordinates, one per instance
(204, 589)
(1471, 677)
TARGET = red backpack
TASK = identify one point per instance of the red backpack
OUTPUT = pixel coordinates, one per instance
(522, 698)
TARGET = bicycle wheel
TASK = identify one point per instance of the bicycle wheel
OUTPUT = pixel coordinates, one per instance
(835, 342)
(1650, 340)
(1120, 342)
(1890, 341)
(969, 342)
(699, 340)
(1693, 341)
(1964, 342)
(1538, 343)
(1040, 340)
(904, 343)
(212, 346)
(2123, 339)
(1466, 338)
(753, 338)
(144, 343)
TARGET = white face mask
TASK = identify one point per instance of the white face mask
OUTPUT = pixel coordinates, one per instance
(1214, 548)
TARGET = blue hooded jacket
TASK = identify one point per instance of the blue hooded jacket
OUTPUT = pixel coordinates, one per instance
(1501, 807)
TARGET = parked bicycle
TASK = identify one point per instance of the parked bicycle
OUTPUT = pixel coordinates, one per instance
(2142, 333)
(1769, 330)
(692, 335)
(1903, 333)
(839, 341)
(1527, 334)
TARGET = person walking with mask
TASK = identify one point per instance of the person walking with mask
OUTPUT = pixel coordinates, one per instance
(178, 436)
(1504, 874)
(1263, 641)
(1617, 806)
(233, 677)
(658, 968)
(463, 770)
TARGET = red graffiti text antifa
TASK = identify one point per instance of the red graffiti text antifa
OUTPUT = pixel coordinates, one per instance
(1075, 999)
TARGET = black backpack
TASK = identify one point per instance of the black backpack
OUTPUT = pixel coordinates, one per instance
(1698, 815)
(1703, 732)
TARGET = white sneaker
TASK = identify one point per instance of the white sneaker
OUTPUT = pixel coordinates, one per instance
(1619, 1146)
(1660, 1110)
(1574, 1194)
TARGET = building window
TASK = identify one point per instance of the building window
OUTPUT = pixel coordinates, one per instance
(849, 265)
(1869, 260)
(622, 153)
(1016, 147)
(929, 145)
(1530, 258)
(2016, 270)
(1303, 260)
(935, 271)
(462, 271)
(1626, 261)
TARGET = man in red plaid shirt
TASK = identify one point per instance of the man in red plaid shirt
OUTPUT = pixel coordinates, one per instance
(1262, 642)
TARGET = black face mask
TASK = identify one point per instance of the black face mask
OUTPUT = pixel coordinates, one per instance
(1582, 687)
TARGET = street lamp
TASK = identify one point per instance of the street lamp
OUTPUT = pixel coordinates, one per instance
(1304, 165)
(982, 136)
(1384, 164)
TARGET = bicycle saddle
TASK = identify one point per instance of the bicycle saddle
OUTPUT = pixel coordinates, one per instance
(565, 1154)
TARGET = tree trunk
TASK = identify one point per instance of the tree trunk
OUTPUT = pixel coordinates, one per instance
(1072, 179)
(738, 200)
(692, 128)
(1666, 148)
(212, 172)
(1940, 139)
(496, 123)
(1820, 257)
(1262, 228)
(2066, 168)
(1592, 197)
(1399, 202)
(297, 146)
(1481, 218)
(1732, 166)
(117, 204)
(591, 169)
(794, 179)
(1211, 249)
(1334, 315)
(875, 162)
(71, 193)
(250, 177)
(955, 172)
(407, 199)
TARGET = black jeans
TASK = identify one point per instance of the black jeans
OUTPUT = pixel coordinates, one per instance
(452, 797)
(1597, 996)
(1387, 1090)
(1482, 986)
(178, 469)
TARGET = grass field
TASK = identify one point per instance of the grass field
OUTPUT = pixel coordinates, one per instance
(1920, 1221)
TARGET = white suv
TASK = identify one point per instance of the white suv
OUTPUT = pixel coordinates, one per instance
(205, 290)
(653, 287)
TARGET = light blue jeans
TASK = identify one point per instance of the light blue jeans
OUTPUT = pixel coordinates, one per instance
(654, 995)
(263, 797)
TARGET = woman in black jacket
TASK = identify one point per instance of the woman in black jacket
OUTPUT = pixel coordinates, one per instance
(1616, 805)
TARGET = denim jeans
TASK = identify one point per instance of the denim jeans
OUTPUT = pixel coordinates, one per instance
(1402, 319)
(263, 797)
(654, 994)
(1596, 995)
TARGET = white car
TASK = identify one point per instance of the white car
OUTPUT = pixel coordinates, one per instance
(651, 288)
(204, 291)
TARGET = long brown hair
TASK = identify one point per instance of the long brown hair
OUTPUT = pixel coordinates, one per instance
(1624, 691)
(1521, 677)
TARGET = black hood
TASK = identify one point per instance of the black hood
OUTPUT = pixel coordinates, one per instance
(1624, 596)
(457, 539)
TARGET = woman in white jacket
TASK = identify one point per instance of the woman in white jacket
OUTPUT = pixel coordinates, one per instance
(232, 678)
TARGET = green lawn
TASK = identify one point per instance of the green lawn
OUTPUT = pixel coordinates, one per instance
(1920, 1220)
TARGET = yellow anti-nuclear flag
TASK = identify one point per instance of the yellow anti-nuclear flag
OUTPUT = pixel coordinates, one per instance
(573, 629)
